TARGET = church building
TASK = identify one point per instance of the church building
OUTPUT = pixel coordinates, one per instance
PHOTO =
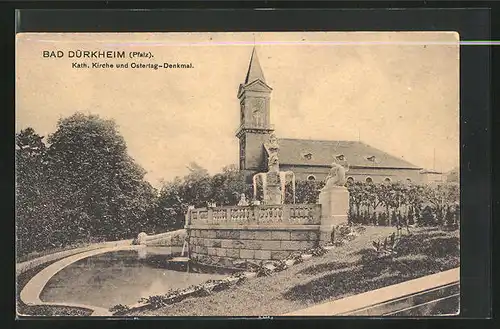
(308, 159)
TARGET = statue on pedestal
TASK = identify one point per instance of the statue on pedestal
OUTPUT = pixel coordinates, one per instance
(336, 176)
(272, 147)
(243, 200)
(274, 180)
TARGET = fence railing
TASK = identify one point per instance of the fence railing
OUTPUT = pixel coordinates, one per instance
(286, 214)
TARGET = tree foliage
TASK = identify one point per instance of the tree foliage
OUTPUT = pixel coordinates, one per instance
(402, 204)
(81, 185)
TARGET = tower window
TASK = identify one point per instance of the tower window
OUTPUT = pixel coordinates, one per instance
(311, 177)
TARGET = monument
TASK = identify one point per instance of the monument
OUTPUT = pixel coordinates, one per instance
(334, 198)
(273, 181)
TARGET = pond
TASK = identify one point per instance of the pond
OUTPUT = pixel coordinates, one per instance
(121, 277)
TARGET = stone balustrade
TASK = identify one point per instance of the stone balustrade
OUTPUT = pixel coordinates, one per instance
(286, 214)
(262, 232)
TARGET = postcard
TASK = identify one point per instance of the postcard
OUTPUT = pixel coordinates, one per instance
(270, 174)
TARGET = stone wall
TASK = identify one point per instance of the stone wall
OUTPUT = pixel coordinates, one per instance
(263, 232)
(252, 244)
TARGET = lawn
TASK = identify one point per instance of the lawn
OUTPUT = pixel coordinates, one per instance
(346, 270)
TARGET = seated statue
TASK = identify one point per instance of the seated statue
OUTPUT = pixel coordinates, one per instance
(243, 200)
(336, 176)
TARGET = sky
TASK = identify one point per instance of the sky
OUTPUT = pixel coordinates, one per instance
(396, 91)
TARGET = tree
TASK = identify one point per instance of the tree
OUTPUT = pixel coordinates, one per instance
(441, 197)
(228, 186)
(382, 219)
(356, 196)
(197, 186)
(195, 189)
(385, 196)
(171, 205)
(34, 207)
(427, 218)
(371, 196)
(411, 219)
(306, 191)
(101, 190)
(394, 219)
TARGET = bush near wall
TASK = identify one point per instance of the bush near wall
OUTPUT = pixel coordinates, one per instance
(398, 204)
(390, 204)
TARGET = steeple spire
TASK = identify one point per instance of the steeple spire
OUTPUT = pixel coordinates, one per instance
(254, 69)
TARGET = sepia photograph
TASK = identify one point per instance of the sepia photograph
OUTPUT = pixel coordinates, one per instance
(266, 174)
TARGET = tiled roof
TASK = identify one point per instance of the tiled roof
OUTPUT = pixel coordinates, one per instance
(321, 153)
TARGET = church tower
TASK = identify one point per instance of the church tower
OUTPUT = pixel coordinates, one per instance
(255, 126)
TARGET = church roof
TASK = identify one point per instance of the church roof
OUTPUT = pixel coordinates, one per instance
(254, 69)
(307, 152)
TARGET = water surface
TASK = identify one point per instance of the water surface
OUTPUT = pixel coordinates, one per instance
(120, 277)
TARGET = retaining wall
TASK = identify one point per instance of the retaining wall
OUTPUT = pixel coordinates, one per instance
(262, 243)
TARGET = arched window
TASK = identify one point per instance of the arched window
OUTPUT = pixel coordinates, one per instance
(408, 181)
(387, 180)
(350, 180)
(369, 180)
(311, 177)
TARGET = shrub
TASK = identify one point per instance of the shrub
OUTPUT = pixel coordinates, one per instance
(410, 217)
(427, 217)
(394, 218)
(119, 309)
(318, 251)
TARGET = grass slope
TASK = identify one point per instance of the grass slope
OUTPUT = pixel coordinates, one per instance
(344, 271)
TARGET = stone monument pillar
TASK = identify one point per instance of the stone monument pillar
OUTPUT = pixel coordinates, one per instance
(273, 186)
(334, 200)
(273, 191)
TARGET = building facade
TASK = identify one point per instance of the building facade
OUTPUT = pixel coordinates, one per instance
(432, 177)
(308, 159)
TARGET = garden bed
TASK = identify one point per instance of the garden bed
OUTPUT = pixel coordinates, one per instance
(345, 270)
